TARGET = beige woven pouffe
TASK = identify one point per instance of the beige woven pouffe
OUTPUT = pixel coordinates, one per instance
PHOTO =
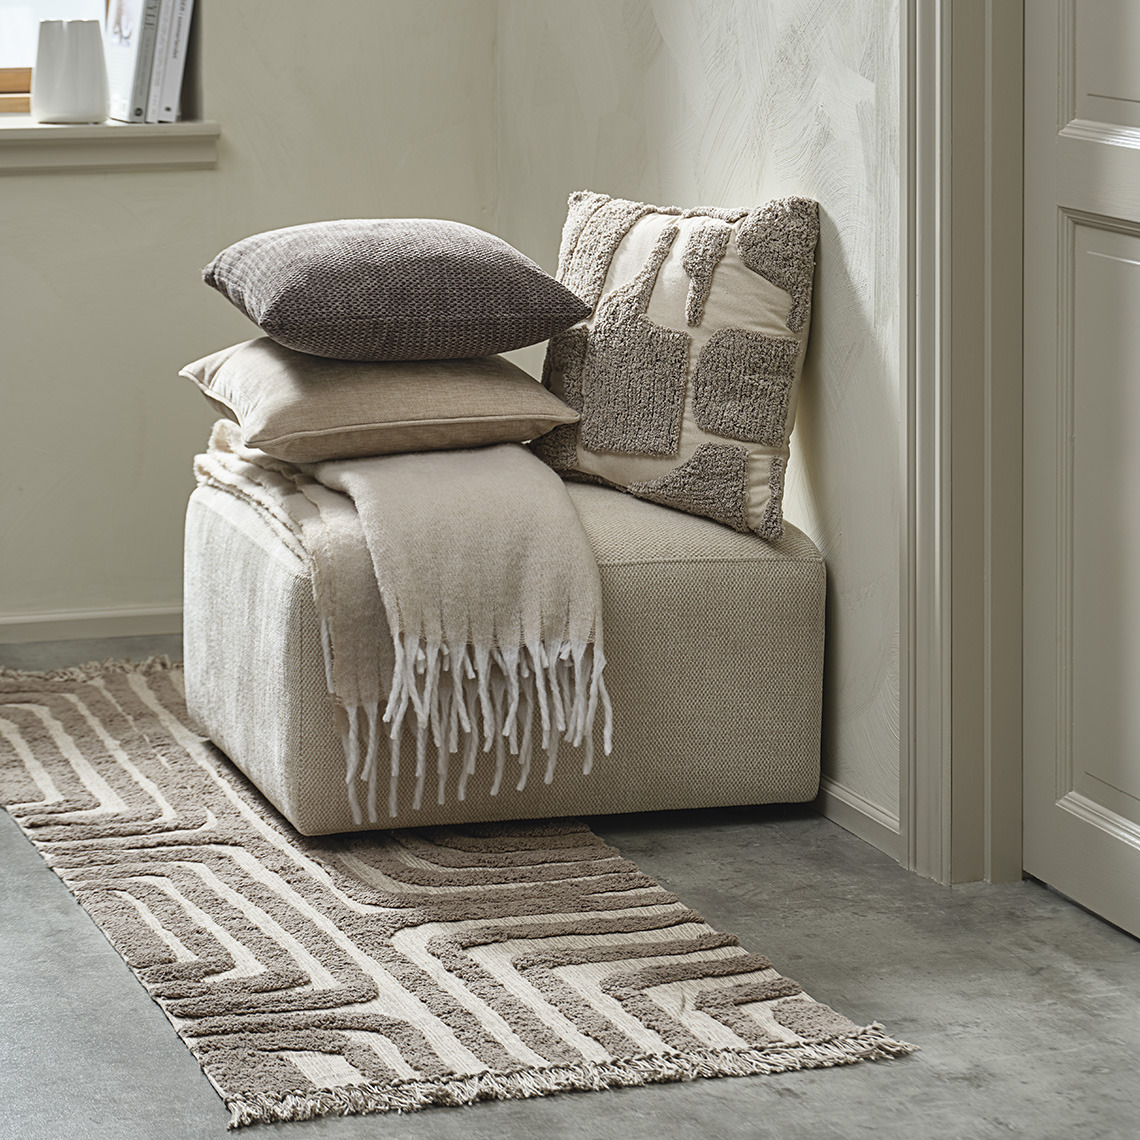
(714, 641)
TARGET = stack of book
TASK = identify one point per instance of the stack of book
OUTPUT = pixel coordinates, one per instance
(145, 43)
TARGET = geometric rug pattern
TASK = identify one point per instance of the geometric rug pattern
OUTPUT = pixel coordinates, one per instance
(385, 970)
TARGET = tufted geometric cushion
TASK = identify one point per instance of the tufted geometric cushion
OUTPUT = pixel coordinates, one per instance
(392, 289)
(686, 373)
(305, 409)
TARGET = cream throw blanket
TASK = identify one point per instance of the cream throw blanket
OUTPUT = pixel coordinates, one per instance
(457, 591)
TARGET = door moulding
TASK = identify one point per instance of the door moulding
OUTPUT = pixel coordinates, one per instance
(960, 689)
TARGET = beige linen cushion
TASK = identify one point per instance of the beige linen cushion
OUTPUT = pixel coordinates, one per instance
(392, 289)
(306, 409)
(686, 373)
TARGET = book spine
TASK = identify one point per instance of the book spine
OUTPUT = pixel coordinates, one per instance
(121, 49)
(143, 61)
(161, 54)
(175, 61)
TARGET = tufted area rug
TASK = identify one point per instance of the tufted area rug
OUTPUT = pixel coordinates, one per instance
(386, 970)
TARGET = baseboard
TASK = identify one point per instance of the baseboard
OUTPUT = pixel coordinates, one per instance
(858, 815)
(78, 625)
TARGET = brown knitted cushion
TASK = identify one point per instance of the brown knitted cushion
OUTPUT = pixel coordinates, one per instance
(392, 289)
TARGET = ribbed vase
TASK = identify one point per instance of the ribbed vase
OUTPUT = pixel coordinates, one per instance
(69, 81)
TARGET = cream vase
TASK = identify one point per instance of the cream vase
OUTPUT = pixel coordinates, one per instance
(69, 81)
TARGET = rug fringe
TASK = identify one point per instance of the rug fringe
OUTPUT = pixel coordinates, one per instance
(91, 669)
(869, 1044)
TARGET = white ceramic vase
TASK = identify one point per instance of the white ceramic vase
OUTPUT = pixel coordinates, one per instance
(69, 81)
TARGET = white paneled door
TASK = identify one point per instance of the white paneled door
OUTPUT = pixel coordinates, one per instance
(1082, 452)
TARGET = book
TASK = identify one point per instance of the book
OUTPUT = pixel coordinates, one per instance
(161, 53)
(129, 49)
(175, 64)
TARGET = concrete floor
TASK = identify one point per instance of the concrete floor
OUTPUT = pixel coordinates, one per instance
(1026, 1007)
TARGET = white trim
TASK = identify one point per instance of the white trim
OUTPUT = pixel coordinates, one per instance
(1004, 467)
(924, 690)
(1119, 827)
(860, 816)
(75, 625)
(1101, 133)
(27, 147)
(908, 745)
(960, 682)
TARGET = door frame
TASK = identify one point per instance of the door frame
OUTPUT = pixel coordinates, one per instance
(960, 690)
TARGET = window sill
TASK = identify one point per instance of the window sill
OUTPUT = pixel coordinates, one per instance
(27, 147)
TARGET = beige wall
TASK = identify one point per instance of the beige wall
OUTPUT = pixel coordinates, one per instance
(101, 300)
(731, 102)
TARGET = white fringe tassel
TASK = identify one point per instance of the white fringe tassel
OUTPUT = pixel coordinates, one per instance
(869, 1044)
(469, 699)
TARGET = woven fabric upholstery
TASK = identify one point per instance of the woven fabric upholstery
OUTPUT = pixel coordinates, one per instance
(714, 641)
(392, 289)
(624, 530)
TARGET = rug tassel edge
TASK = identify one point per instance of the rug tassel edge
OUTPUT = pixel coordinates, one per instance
(869, 1044)
(90, 670)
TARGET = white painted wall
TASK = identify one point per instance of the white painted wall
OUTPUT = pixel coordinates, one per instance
(732, 102)
(387, 110)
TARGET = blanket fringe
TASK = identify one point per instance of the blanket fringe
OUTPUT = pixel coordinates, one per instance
(470, 699)
(869, 1044)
